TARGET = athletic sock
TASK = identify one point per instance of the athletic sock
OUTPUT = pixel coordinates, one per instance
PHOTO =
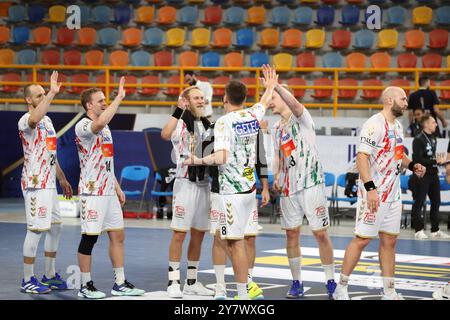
(192, 272)
(296, 267)
(389, 285)
(242, 291)
(343, 280)
(250, 275)
(49, 267)
(85, 278)
(119, 273)
(329, 271)
(219, 270)
(174, 272)
(28, 271)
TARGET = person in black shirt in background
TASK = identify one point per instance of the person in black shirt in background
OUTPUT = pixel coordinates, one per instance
(426, 99)
(414, 128)
(424, 152)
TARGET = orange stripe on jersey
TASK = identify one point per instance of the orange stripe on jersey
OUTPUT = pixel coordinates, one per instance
(107, 150)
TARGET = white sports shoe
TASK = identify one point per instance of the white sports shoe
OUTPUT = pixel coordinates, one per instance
(341, 293)
(440, 235)
(420, 235)
(197, 289)
(220, 292)
(174, 291)
(393, 296)
(442, 293)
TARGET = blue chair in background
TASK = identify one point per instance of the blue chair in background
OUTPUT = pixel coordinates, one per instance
(219, 2)
(234, 16)
(36, 13)
(174, 2)
(16, 13)
(286, 2)
(364, 39)
(443, 15)
(332, 60)
(156, 192)
(20, 35)
(85, 13)
(27, 56)
(153, 37)
(140, 58)
(101, 14)
(108, 37)
(303, 16)
(340, 183)
(257, 59)
(244, 38)
(135, 174)
(396, 16)
(281, 16)
(325, 16)
(349, 15)
(188, 15)
(210, 59)
(122, 14)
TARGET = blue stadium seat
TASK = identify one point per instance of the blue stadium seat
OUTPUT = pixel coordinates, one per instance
(153, 37)
(364, 39)
(16, 13)
(396, 16)
(122, 14)
(21, 35)
(332, 60)
(27, 56)
(36, 13)
(108, 37)
(349, 15)
(286, 1)
(210, 59)
(219, 2)
(188, 15)
(281, 16)
(140, 58)
(85, 12)
(244, 38)
(234, 16)
(443, 15)
(174, 2)
(101, 14)
(325, 16)
(303, 16)
(257, 59)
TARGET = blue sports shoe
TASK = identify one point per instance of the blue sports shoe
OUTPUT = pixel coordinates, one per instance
(331, 287)
(56, 282)
(126, 289)
(34, 286)
(296, 290)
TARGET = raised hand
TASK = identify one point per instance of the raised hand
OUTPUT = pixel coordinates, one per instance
(270, 76)
(54, 85)
(121, 92)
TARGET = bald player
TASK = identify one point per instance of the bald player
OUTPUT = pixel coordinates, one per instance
(38, 183)
(380, 160)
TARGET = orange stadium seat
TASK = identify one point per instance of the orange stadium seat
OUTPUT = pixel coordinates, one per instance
(4, 35)
(167, 15)
(438, 39)
(42, 36)
(269, 38)
(145, 14)
(175, 37)
(249, 81)
(87, 37)
(118, 58)
(94, 58)
(51, 57)
(163, 59)
(233, 59)
(406, 60)
(78, 78)
(10, 76)
(4, 6)
(282, 60)
(356, 60)
(57, 14)
(292, 39)
(370, 94)
(387, 39)
(7, 56)
(200, 38)
(296, 81)
(222, 38)
(213, 15)
(65, 36)
(341, 39)
(256, 15)
(445, 94)
(448, 61)
(347, 93)
(131, 37)
(380, 60)
(401, 83)
(306, 60)
(431, 60)
(173, 91)
(322, 93)
(72, 57)
(414, 39)
(149, 80)
(188, 59)
(221, 80)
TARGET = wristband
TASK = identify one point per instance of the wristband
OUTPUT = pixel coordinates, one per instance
(369, 185)
(411, 165)
(177, 113)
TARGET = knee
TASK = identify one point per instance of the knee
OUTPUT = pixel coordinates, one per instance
(321, 236)
(178, 237)
(292, 235)
(388, 242)
(87, 244)
(361, 242)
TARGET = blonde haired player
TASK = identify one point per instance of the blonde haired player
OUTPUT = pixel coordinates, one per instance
(38, 184)
(380, 160)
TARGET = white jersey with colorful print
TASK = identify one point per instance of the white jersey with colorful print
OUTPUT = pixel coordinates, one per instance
(184, 143)
(96, 153)
(236, 132)
(39, 152)
(383, 142)
(295, 143)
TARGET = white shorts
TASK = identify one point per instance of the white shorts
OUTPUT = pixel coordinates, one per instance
(386, 219)
(190, 206)
(312, 203)
(241, 216)
(100, 213)
(217, 214)
(41, 208)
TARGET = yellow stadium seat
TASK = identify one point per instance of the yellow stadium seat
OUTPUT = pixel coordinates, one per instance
(200, 37)
(448, 61)
(175, 37)
(387, 39)
(282, 60)
(422, 15)
(57, 14)
(315, 38)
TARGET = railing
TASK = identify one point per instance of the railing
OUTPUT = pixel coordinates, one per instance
(335, 105)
